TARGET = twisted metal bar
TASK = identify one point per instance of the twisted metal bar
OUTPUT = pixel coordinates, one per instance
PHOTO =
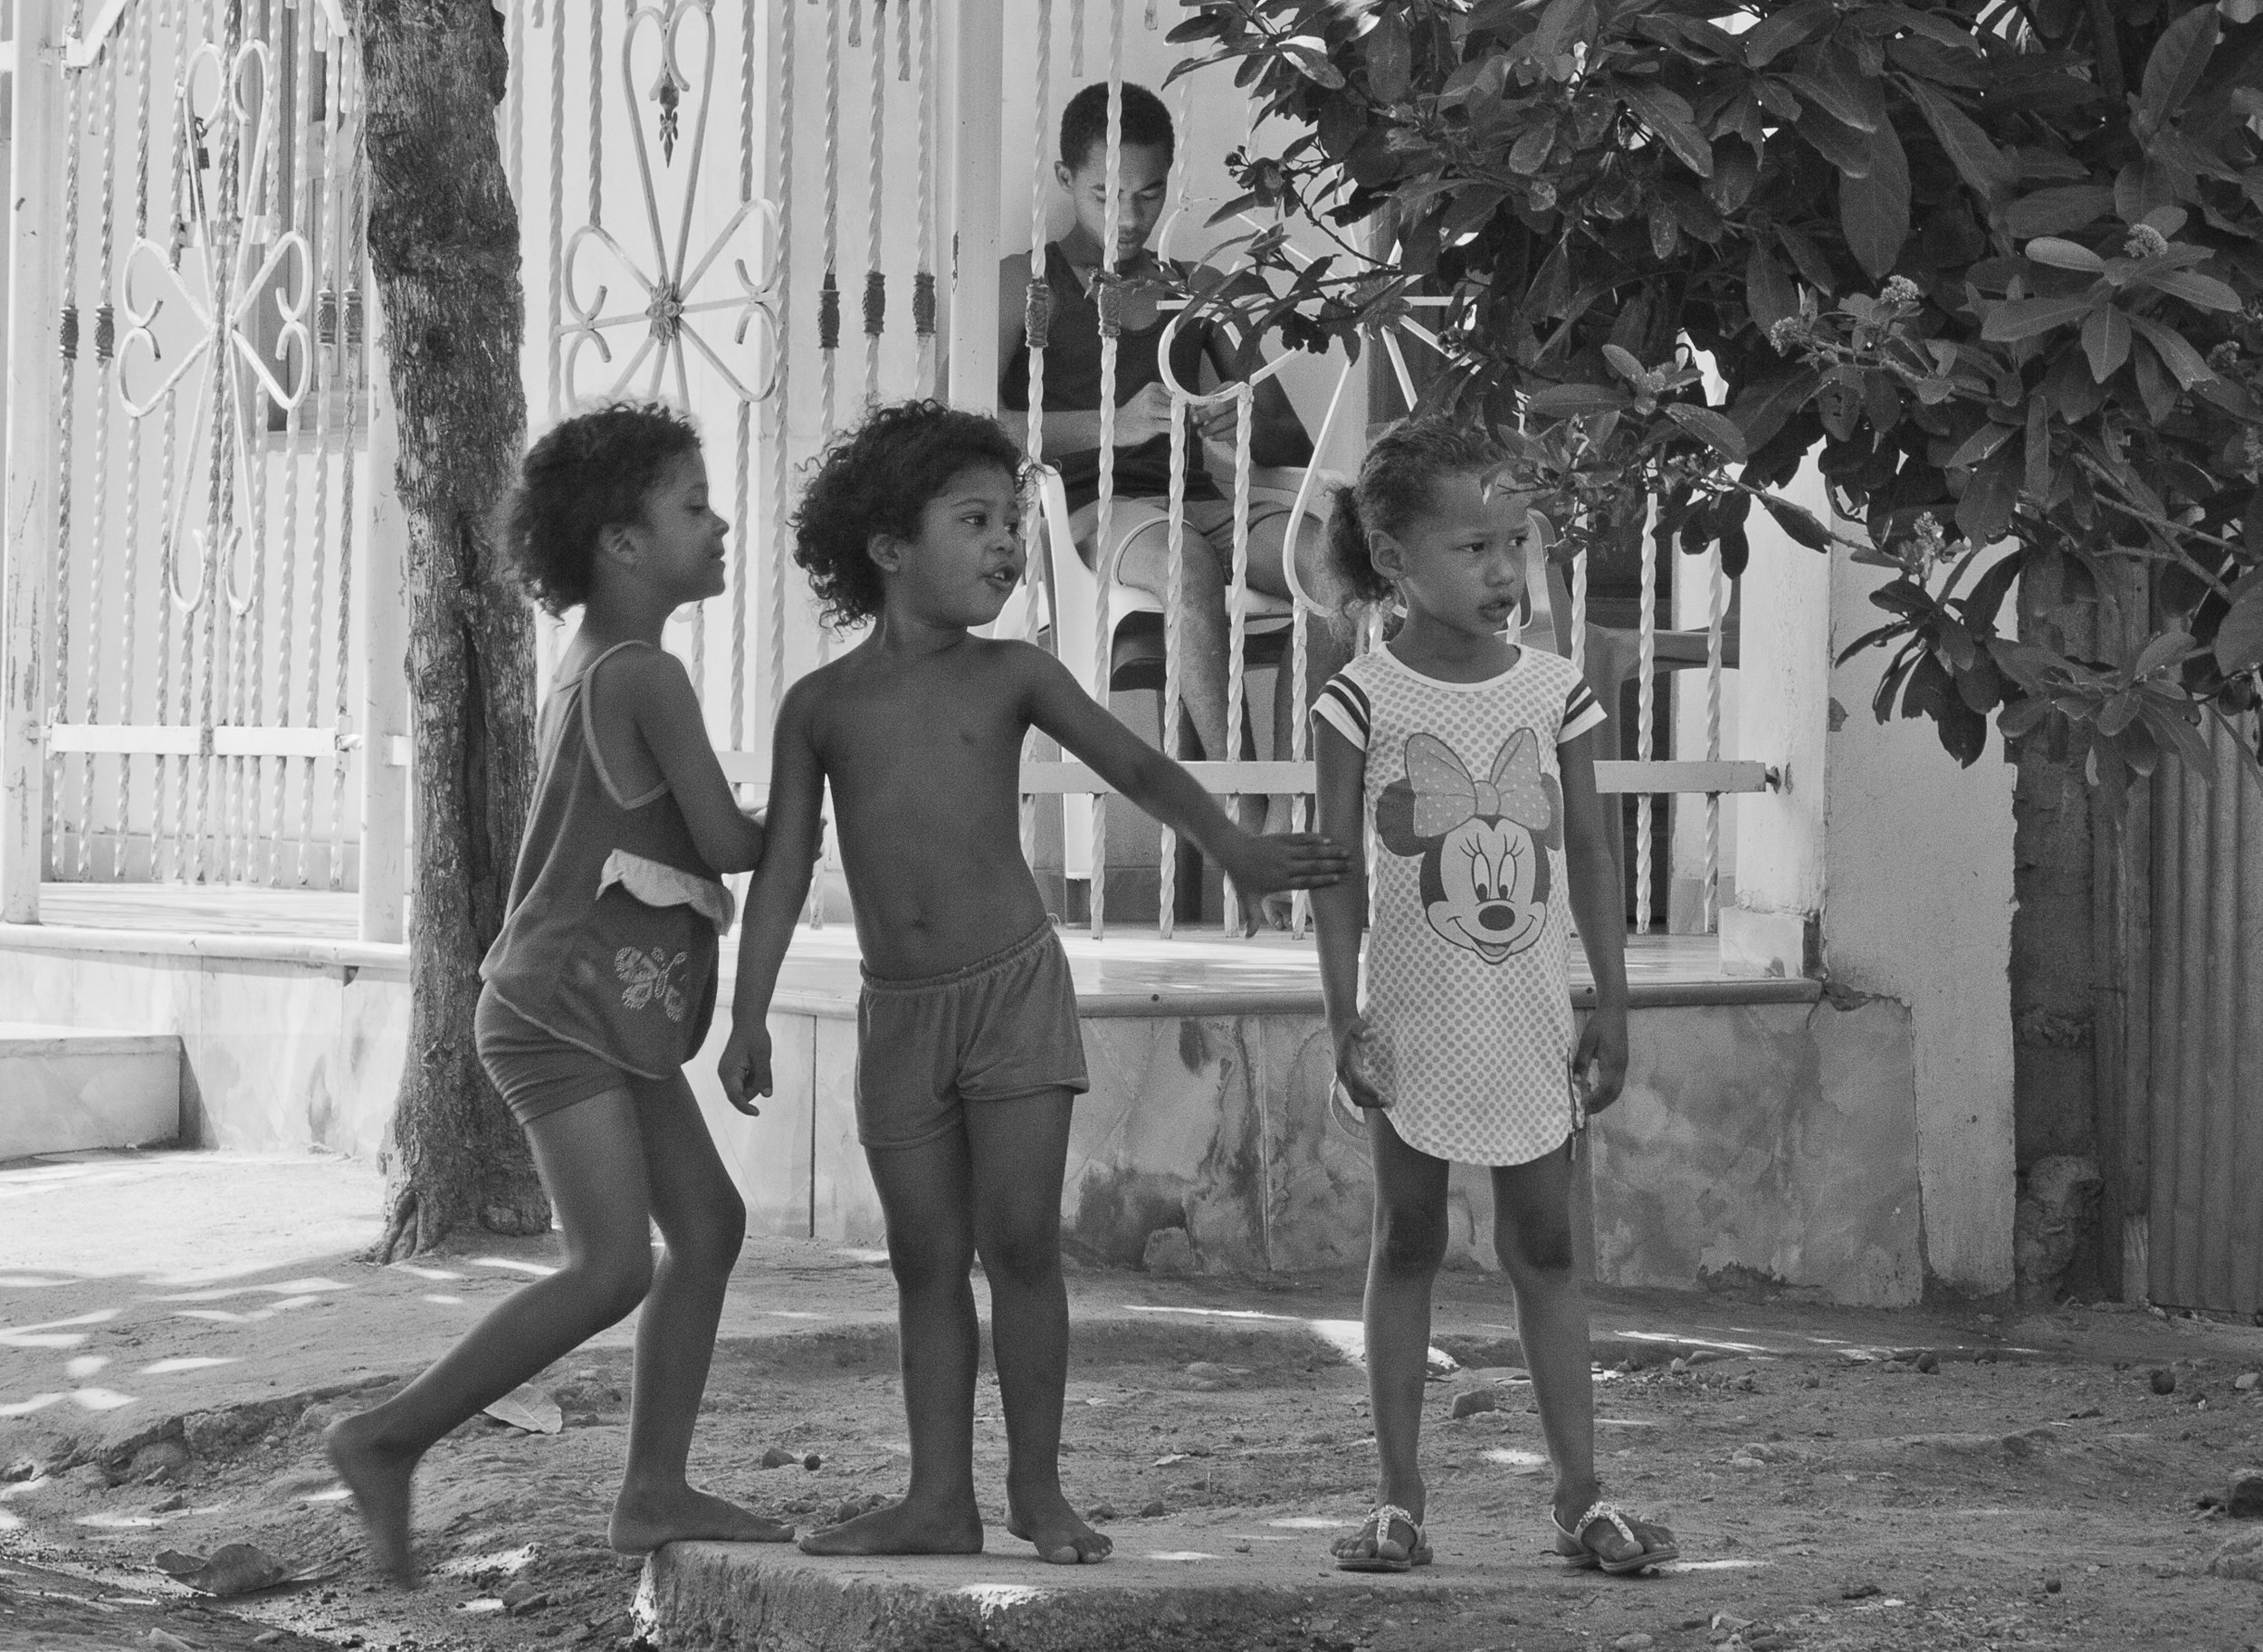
(321, 384)
(1174, 605)
(1646, 697)
(774, 416)
(923, 278)
(132, 596)
(302, 212)
(66, 391)
(1109, 293)
(829, 299)
(356, 210)
(875, 283)
(555, 275)
(104, 340)
(1717, 606)
(1238, 616)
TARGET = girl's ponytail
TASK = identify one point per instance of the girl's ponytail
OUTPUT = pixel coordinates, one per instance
(1358, 584)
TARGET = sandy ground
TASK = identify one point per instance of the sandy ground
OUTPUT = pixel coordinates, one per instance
(2031, 1489)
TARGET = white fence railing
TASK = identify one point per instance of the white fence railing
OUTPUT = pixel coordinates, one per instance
(716, 203)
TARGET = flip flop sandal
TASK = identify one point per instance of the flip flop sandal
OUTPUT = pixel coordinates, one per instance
(1583, 1559)
(1377, 1529)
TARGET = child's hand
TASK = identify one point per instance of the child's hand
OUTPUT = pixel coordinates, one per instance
(1603, 1049)
(745, 1068)
(1363, 1063)
(1286, 860)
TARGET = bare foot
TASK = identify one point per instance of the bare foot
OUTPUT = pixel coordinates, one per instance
(901, 1528)
(1052, 1526)
(645, 1519)
(379, 1478)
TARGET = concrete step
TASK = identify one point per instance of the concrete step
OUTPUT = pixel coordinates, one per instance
(64, 1089)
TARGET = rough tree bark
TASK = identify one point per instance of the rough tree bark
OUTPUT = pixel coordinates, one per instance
(444, 248)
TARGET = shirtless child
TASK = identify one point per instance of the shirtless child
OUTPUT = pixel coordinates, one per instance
(968, 1051)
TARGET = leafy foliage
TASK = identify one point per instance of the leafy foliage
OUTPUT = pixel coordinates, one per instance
(2011, 296)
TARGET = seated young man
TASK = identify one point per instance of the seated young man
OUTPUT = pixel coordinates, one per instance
(1142, 421)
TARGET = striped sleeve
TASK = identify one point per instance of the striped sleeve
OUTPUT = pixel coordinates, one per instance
(1342, 705)
(1582, 711)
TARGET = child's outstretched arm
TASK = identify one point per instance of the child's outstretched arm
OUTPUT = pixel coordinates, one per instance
(774, 899)
(1340, 910)
(1597, 905)
(673, 729)
(1055, 703)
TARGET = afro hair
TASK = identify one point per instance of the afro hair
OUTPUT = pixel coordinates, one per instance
(878, 479)
(586, 474)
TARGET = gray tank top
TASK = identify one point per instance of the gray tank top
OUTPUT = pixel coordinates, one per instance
(609, 942)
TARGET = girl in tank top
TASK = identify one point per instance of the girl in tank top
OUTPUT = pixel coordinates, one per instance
(601, 985)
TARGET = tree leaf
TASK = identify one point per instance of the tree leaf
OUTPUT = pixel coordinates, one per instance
(2168, 646)
(2053, 212)
(1848, 150)
(1571, 400)
(1529, 153)
(1981, 442)
(2193, 288)
(1623, 362)
(2064, 254)
(1769, 295)
(1763, 408)
(1312, 65)
(2181, 359)
(1873, 210)
(2017, 318)
(1984, 514)
(2239, 638)
(1390, 58)
(529, 1407)
(1773, 35)
(1841, 102)
(1803, 525)
(1712, 428)
(1978, 161)
(1668, 115)
(2177, 62)
(2105, 340)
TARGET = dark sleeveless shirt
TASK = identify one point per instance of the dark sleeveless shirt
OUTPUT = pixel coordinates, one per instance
(1071, 385)
(631, 980)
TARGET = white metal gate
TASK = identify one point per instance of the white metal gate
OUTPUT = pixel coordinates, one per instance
(185, 671)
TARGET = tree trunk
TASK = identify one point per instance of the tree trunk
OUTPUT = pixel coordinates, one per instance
(444, 248)
(2070, 961)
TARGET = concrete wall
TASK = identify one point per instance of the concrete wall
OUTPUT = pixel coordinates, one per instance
(1886, 868)
(1918, 908)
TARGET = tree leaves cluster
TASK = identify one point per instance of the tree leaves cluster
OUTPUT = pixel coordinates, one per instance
(1995, 262)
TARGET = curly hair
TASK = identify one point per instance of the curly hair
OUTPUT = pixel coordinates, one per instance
(1084, 122)
(877, 479)
(586, 473)
(1402, 466)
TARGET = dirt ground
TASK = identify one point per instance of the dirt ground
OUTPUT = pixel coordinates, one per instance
(1985, 1504)
(2027, 1488)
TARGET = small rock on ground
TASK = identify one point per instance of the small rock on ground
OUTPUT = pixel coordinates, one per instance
(2244, 1500)
(2241, 1557)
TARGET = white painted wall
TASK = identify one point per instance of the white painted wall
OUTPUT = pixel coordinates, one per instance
(1918, 906)
(1903, 859)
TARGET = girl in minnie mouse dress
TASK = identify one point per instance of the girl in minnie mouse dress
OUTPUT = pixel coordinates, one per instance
(1461, 760)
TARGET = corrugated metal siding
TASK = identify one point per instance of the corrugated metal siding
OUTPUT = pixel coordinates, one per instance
(2206, 1105)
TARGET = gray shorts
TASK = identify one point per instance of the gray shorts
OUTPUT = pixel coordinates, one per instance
(1001, 1028)
(538, 1072)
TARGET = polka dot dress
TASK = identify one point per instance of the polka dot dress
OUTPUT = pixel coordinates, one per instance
(1466, 967)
